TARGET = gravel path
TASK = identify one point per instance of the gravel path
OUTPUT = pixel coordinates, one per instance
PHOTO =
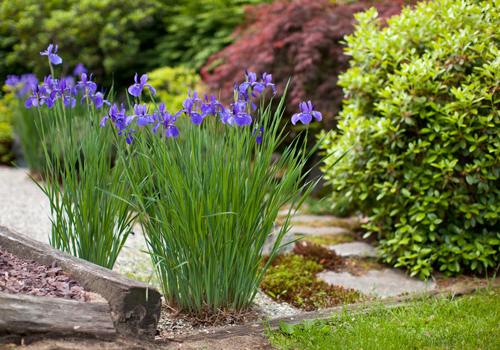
(24, 208)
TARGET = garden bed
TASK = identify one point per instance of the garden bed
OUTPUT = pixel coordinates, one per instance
(134, 307)
(22, 276)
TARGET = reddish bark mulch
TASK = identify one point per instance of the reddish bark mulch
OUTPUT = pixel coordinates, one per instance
(20, 276)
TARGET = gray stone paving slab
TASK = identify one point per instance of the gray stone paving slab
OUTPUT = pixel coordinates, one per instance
(296, 231)
(361, 249)
(321, 230)
(326, 220)
(381, 283)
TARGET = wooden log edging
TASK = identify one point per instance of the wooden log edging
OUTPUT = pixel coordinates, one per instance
(30, 315)
(134, 306)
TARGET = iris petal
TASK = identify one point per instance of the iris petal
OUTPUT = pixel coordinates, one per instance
(135, 90)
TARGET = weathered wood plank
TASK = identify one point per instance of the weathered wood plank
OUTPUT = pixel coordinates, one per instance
(135, 306)
(26, 314)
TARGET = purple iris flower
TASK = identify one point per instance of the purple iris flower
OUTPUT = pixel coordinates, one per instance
(240, 115)
(130, 136)
(28, 81)
(245, 88)
(252, 87)
(141, 113)
(191, 106)
(98, 100)
(62, 86)
(79, 70)
(118, 117)
(86, 84)
(260, 134)
(136, 89)
(251, 79)
(40, 95)
(50, 83)
(22, 84)
(48, 91)
(211, 106)
(306, 113)
(265, 82)
(70, 82)
(69, 101)
(34, 99)
(64, 89)
(51, 52)
(167, 120)
(12, 80)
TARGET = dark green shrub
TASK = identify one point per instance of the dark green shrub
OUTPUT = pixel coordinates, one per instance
(111, 37)
(115, 38)
(421, 126)
(197, 29)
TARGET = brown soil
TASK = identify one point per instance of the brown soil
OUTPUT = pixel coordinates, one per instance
(173, 323)
(323, 256)
(20, 276)
(359, 266)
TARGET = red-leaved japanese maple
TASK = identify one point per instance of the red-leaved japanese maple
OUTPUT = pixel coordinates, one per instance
(299, 39)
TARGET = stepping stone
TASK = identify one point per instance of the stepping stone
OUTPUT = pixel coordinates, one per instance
(284, 212)
(322, 230)
(327, 220)
(381, 283)
(295, 231)
(286, 239)
(360, 249)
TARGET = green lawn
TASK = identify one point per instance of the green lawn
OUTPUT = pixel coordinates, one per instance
(470, 322)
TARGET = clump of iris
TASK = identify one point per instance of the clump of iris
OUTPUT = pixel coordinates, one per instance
(238, 113)
(52, 89)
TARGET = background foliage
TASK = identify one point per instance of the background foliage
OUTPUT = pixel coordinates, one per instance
(7, 103)
(197, 29)
(300, 39)
(115, 38)
(172, 84)
(421, 125)
(110, 39)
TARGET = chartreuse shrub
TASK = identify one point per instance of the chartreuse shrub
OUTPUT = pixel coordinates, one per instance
(171, 84)
(90, 218)
(421, 128)
(6, 133)
(208, 189)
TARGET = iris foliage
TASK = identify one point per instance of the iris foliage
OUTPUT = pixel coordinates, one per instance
(84, 188)
(207, 187)
(209, 200)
